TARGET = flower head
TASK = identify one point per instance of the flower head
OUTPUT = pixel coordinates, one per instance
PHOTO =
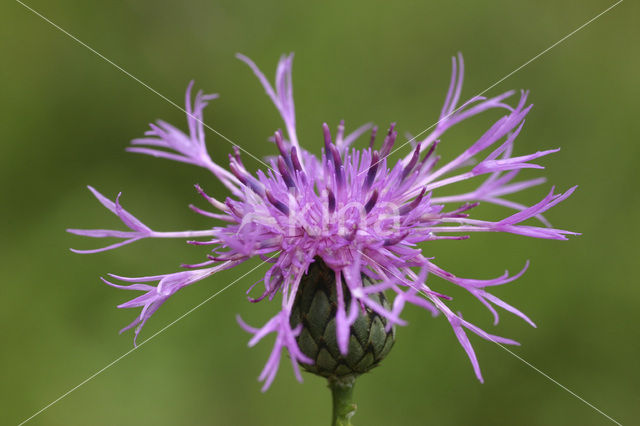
(359, 213)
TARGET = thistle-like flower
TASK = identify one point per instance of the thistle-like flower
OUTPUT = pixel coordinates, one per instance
(346, 222)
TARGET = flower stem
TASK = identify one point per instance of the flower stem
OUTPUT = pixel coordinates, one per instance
(343, 406)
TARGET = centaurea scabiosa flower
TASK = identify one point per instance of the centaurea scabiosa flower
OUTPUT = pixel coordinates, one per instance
(342, 230)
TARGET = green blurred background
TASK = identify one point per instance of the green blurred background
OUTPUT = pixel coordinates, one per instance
(66, 116)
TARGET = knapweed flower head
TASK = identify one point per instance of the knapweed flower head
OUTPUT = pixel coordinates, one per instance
(354, 210)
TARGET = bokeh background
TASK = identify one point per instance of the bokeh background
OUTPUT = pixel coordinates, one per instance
(66, 116)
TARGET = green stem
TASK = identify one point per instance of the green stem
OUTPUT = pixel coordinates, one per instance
(343, 406)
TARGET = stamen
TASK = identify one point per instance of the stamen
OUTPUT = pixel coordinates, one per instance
(373, 170)
(236, 171)
(389, 140)
(282, 149)
(337, 163)
(276, 203)
(395, 240)
(236, 153)
(295, 160)
(408, 207)
(327, 139)
(286, 176)
(280, 142)
(230, 203)
(372, 201)
(374, 131)
(331, 200)
(412, 163)
(459, 211)
(432, 148)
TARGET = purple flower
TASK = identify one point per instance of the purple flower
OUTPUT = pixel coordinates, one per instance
(354, 209)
